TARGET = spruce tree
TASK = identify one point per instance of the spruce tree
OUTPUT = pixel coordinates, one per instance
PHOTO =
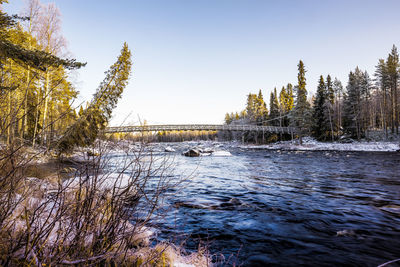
(228, 118)
(329, 90)
(329, 104)
(274, 108)
(393, 69)
(251, 107)
(283, 106)
(290, 101)
(261, 109)
(355, 113)
(319, 125)
(96, 116)
(301, 112)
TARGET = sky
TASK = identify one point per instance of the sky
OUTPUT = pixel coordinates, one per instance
(195, 60)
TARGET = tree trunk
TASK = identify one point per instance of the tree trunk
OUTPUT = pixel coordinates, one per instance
(46, 103)
(330, 121)
(36, 120)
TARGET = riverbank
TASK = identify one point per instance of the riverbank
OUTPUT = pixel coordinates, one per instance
(310, 144)
(60, 211)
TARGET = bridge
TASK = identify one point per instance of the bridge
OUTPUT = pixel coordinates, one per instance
(201, 127)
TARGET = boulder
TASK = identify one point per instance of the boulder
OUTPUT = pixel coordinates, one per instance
(192, 153)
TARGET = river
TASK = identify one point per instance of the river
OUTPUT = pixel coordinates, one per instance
(288, 208)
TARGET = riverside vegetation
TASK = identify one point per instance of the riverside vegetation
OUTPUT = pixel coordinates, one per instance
(58, 210)
(366, 105)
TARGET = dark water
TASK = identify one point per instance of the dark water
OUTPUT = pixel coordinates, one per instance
(290, 208)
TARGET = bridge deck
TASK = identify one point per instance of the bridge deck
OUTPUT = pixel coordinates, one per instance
(200, 127)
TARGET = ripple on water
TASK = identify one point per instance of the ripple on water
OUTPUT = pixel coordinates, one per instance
(292, 208)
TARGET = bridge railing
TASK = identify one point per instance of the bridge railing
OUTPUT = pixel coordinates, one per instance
(200, 127)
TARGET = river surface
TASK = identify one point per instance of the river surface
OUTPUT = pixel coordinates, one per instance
(288, 208)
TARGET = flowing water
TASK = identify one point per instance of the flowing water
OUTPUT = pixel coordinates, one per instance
(289, 208)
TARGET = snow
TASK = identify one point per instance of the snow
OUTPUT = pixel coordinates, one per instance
(221, 153)
(169, 149)
(104, 182)
(310, 144)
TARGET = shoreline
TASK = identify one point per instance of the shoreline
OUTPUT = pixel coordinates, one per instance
(310, 144)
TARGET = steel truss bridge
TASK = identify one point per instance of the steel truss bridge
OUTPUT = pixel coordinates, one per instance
(201, 127)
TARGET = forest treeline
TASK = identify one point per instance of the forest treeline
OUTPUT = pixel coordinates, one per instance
(36, 93)
(365, 104)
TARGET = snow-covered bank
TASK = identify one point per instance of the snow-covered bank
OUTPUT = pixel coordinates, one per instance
(224, 148)
(310, 144)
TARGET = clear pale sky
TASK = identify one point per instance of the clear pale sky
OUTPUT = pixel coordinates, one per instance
(195, 60)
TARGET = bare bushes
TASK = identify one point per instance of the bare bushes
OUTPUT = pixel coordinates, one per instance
(99, 216)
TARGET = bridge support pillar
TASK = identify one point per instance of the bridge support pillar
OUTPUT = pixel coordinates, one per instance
(263, 140)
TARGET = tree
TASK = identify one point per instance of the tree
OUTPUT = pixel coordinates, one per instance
(51, 40)
(382, 82)
(338, 90)
(261, 109)
(274, 108)
(355, 118)
(95, 117)
(329, 102)
(393, 68)
(283, 106)
(251, 107)
(301, 112)
(228, 118)
(330, 93)
(290, 102)
(22, 62)
(319, 126)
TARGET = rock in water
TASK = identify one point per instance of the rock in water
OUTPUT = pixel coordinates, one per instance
(221, 153)
(169, 149)
(192, 153)
(345, 232)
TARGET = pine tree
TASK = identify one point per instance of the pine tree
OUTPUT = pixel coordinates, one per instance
(274, 108)
(22, 62)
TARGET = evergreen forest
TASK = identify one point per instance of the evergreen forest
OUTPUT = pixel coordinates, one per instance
(367, 103)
